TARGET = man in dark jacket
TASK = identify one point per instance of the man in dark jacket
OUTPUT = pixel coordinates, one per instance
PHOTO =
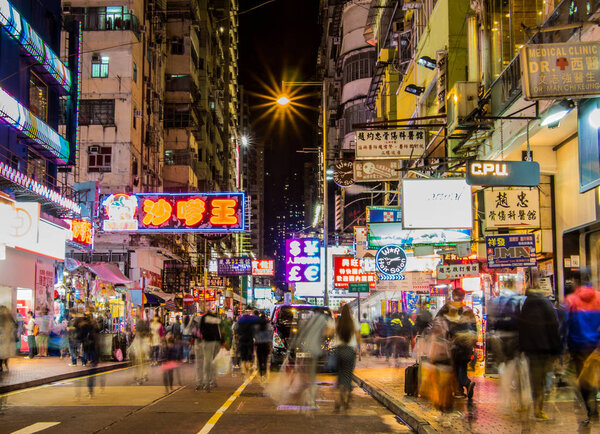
(211, 341)
(539, 339)
(245, 332)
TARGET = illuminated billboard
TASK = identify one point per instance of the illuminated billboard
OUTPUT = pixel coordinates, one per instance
(381, 234)
(173, 212)
(82, 233)
(263, 267)
(348, 269)
(234, 266)
(302, 260)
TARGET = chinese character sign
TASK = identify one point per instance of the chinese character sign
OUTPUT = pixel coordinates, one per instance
(263, 267)
(512, 208)
(173, 212)
(82, 232)
(511, 251)
(350, 270)
(407, 143)
(561, 70)
(234, 266)
(457, 271)
(302, 260)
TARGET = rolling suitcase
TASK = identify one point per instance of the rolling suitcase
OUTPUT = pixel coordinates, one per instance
(411, 380)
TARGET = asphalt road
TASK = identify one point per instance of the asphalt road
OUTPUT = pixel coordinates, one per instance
(119, 405)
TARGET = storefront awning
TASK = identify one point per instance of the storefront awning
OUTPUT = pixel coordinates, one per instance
(108, 272)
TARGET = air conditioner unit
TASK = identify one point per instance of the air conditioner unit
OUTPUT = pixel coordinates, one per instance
(462, 101)
(66, 8)
(93, 149)
(95, 57)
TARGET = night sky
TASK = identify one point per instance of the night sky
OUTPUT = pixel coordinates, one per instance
(279, 41)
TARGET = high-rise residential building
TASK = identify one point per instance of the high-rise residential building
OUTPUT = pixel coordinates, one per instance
(39, 88)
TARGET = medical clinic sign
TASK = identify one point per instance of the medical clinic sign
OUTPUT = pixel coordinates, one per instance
(349, 270)
(561, 70)
(409, 143)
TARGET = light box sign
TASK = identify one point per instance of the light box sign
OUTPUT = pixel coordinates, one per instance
(406, 143)
(263, 267)
(503, 173)
(512, 208)
(588, 145)
(560, 70)
(436, 204)
(391, 260)
(302, 260)
(380, 234)
(348, 269)
(173, 212)
(82, 233)
(376, 170)
(381, 214)
(508, 251)
(234, 266)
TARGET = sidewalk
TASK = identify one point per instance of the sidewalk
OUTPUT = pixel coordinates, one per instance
(485, 415)
(24, 373)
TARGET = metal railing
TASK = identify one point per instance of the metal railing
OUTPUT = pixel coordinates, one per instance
(95, 21)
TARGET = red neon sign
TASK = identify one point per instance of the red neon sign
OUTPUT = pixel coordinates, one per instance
(82, 231)
(263, 267)
(348, 269)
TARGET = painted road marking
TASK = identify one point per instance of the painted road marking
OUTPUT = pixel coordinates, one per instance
(215, 417)
(36, 427)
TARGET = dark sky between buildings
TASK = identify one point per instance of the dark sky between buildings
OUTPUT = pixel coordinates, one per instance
(279, 41)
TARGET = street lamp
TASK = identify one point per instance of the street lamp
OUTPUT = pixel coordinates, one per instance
(284, 101)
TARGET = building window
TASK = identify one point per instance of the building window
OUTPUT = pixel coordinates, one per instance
(99, 158)
(97, 112)
(177, 46)
(177, 115)
(99, 66)
(134, 72)
(359, 66)
(38, 97)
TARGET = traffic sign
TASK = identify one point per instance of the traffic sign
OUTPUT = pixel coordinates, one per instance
(358, 287)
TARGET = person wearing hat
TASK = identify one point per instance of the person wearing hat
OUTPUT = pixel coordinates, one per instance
(462, 332)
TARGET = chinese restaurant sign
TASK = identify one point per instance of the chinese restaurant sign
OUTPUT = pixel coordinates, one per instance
(457, 271)
(302, 260)
(376, 170)
(503, 173)
(263, 267)
(390, 143)
(234, 266)
(349, 270)
(507, 251)
(512, 208)
(561, 70)
(173, 212)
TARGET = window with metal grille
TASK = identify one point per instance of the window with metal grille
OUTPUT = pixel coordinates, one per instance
(100, 66)
(359, 66)
(97, 112)
(177, 115)
(99, 158)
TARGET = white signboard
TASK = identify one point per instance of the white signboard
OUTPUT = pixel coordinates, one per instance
(436, 204)
(416, 282)
(376, 170)
(457, 271)
(406, 143)
(512, 208)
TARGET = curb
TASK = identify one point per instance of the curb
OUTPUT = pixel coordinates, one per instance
(417, 423)
(66, 376)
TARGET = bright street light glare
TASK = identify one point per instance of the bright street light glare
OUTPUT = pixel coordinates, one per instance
(283, 100)
(594, 117)
(244, 140)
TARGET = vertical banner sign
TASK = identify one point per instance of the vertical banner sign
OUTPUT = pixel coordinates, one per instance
(302, 260)
(407, 143)
(512, 208)
(508, 251)
(44, 287)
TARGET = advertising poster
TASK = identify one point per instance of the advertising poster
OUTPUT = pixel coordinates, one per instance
(44, 287)
(508, 251)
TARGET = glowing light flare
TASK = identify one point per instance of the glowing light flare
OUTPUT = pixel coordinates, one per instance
(283, 100)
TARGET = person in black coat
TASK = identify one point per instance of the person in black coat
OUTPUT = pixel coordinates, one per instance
(539, 339)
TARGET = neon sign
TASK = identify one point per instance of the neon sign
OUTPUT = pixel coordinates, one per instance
(19, 29)
(25, 181)
(302, 260)
(173, 212)
(82, 232)
(263, 267)
(21, 119)
(349, 270)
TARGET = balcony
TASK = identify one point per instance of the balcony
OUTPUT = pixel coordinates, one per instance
(105, 19)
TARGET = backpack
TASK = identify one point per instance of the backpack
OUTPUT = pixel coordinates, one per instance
(36, 330)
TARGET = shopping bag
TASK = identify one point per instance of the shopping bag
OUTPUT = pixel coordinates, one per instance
(222, 362)
(590, 374)
(118, 355)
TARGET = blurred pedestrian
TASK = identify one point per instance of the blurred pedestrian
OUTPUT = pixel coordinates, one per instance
(503, 325)
(347, 338)
(211, 341)
(157, 334)
(45, 323)
(423, 320)
(32, 330)
(88, 333)
(8, 337)
(263, 337)
(583, 310)
(245, 333)
(187, 337)
(72, 337)
(170, 363)
(462, 332)
(539, 339)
